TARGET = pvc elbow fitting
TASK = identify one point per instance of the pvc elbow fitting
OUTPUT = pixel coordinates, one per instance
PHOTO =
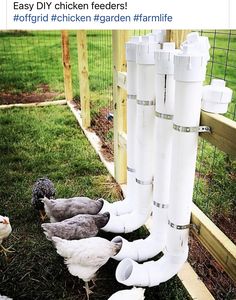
(140, 250)
(116, 208)
(150, 273)
(126, 223)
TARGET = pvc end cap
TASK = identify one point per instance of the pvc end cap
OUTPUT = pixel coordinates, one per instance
(131, 47)
(216, 97)
(218, 82)
(168, 46)
(192, 37)
(196, 45)
(145, 52)
(148, 38)
(159, 35)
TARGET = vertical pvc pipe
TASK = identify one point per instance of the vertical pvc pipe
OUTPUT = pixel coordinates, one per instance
(141, 250)
(142, 193)
(165, 88)
(189, 73)
(190, 68)
(131, 47)
(122, 207)
(126, 206)
(145, 122)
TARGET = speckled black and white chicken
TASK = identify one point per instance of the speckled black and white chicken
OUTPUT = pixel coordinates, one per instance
(60, 209)
(5, 231)
(131, 294)
(43, 187)
(84, 257)
(77, 227)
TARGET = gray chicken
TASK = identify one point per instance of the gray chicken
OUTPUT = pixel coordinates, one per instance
(78, 227)
(43, 187)
(60, 209)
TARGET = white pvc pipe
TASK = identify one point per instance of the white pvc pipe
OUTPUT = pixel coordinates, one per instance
(141, 250)
(143, 143)
(149, 273)
(190, 68)
(122, 207)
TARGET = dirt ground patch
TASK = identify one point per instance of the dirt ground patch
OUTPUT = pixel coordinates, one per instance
(42, 94)
(227, 223)
(210, 272)
(103, 125)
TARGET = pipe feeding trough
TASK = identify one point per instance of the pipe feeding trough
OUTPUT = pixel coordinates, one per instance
(143, 249)
(189, 73)
(140, 184)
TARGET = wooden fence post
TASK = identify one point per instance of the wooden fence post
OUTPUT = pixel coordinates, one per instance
(119, 37)
(66, 65)
(83, 78)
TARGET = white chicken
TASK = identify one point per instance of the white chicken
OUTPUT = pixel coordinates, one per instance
(5, 231)
(5, 298)
(84, 257)
(132, 294)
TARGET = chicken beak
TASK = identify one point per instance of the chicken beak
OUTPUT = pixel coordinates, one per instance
(5, 221)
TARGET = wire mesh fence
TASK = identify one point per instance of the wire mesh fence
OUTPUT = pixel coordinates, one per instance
(215, 184)
(30, 62)
(31, 70)
(222, 64)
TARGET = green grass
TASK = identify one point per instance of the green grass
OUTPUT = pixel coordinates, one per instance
(48, 142)
(215, 184)
(29, 59)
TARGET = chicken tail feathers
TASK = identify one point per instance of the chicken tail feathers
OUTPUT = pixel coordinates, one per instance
(62, 247)
(44, 199)
(56, 240)
(47, 231)
(100, 203)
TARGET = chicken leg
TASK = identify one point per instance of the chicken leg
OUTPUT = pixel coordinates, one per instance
(43, 215)
(6, 250)
(87, 289)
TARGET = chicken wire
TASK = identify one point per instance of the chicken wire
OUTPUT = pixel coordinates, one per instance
(31, 62)
(215, 186)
